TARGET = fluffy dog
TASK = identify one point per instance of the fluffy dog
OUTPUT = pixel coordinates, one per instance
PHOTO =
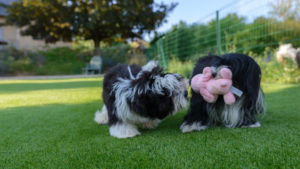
(245, 77)
(287, 51)
(135, 95)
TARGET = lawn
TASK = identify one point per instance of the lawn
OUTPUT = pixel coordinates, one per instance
(49, 124)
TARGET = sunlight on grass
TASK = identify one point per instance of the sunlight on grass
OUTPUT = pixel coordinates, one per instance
(273, 87)
(33, 93)
(51, 81)
(44, 97)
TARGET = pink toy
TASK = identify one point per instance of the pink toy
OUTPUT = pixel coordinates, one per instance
(210, 87)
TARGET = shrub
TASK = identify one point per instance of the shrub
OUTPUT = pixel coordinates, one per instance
(62, 60)
(182, 68)
(272, 71)
(13, 61)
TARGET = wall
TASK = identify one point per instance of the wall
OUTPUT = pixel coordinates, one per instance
(11, 34)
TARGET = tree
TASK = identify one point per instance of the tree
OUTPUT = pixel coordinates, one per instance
(286, 9)
(97, 20)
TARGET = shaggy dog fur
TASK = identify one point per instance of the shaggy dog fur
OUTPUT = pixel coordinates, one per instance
(287, 51)
(246, 77)
(135, 95)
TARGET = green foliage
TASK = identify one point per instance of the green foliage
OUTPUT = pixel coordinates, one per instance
(272, 71)
(286, 9)
(13, 61)
(60, 55)
(187, 41)
(279, 72)
(182, 68)
(64, 60)
(49, 124)
(48, 62)
(103, 20)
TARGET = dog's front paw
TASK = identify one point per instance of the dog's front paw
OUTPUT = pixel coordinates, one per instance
(101, 117)
(196, 126)
(254, 125)
(123, 130)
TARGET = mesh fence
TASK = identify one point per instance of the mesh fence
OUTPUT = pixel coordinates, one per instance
(239, 26)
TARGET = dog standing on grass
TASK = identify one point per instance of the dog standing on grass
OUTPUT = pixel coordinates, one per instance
(246, 75)
(144, 96)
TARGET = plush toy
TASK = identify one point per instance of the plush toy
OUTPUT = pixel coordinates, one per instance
(210, 88)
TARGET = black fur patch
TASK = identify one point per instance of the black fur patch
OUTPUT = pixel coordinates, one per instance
(246, 77)
(147, 104)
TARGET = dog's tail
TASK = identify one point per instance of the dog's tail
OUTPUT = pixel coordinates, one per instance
(101, 117)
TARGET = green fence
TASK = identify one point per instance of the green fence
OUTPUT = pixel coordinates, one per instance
(223, 32)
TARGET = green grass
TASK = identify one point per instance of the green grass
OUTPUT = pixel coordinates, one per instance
(49, 124)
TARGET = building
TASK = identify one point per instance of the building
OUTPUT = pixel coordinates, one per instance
(11, 36)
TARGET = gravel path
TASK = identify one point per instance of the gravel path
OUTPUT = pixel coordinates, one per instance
(47, 77)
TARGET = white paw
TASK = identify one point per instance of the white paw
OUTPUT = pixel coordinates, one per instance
(151, 124)
(255, 125)
(196, 126)
(101, 117)
(123, 130)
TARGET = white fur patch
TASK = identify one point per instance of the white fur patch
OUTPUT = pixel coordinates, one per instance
(123, 130)
(169, 81)
(124, 91)
(196, 126)
(286, 51)
(255, 125)
(101, 117)
(150, 65)
(260, 103)
(231, 115)
(151, 124)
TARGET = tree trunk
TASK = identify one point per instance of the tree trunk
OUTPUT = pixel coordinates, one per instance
(97, 60)
(97, 51)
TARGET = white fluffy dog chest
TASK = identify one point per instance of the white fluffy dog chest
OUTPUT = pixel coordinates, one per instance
(228, 115)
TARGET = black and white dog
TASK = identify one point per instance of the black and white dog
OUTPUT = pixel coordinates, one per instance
(246, 75)
(135, 95)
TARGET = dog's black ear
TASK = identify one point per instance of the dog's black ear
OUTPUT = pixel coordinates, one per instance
(253, 81)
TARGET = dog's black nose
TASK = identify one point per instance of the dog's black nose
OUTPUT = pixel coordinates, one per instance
(214, 74)
(185, 94)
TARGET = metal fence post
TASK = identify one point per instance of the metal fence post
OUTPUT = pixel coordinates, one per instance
(163, 57)
(218, 32)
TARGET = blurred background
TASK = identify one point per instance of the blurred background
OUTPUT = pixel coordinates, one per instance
(65, 37)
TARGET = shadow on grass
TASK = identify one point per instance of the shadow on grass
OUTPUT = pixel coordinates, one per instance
(24, 87)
